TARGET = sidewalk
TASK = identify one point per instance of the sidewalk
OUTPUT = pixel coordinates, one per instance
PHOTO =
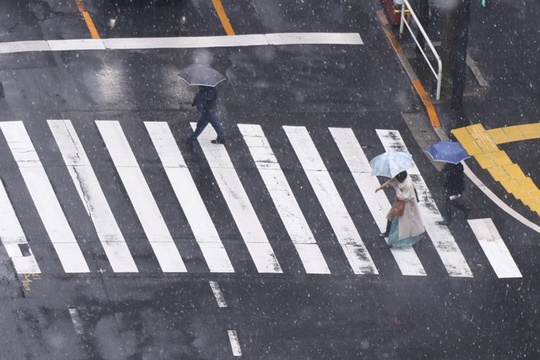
(500, 115)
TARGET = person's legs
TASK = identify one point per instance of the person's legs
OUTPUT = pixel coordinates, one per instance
(214, 121)
(461, 207)
(448, 210)
(201, 124)
(387, 232)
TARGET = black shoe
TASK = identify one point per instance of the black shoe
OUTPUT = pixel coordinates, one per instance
(444, 222)
(383, 235)
(218, 141)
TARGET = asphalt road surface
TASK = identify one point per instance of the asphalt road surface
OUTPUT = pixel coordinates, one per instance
(122, 241)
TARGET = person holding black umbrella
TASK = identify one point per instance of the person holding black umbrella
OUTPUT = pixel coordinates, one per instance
(207, 78)
(206, 103)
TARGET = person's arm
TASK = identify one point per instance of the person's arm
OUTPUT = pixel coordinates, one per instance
(384, 185)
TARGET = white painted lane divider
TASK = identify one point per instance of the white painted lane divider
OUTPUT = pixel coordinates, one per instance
(283, 197)
(13, 237)
(241, 209)
(44, 198)
(92, 196)
(76, 320)
(189, 197)
(218, 294)
(495, 249)
(235, 343)
(378, 204)
(141, 197)
(442, 239)
(182, 42)
(330, 200)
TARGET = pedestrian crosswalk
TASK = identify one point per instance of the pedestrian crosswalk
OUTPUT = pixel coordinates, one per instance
(353, 244)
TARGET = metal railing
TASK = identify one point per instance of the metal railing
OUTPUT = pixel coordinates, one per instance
(438, 74)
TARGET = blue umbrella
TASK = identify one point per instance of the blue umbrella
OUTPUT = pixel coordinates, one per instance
(391, 163)
(447, 151)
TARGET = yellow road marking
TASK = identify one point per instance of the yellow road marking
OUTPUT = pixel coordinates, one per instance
(28, 278)
(483, 146)
(223, 17)
(87, 19)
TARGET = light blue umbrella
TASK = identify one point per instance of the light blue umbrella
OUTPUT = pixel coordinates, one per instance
(447, 151)
(391, 163)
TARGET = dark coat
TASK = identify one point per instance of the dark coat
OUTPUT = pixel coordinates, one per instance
(206, 99)
(454, 180)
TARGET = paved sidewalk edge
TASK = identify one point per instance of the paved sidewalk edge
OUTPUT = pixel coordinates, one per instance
(433, 117)
(436, 125)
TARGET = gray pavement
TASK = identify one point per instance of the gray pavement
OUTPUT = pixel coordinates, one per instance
(294, 315)
(501, 89)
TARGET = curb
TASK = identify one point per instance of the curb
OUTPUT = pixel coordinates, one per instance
(433, 117)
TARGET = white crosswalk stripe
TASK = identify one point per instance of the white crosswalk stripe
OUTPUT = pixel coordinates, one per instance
(12, 236)
(334, 208)
(186, 191)
(495, 249)
(44, 198)
(440, 235)
(92, 196)
(239, 204)
(215, 251)
(140, 195)
(285, 202)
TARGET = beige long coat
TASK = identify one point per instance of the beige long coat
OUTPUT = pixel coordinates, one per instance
(410, 223)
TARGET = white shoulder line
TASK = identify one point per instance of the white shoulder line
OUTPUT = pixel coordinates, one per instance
(490, 194)
(182, 42)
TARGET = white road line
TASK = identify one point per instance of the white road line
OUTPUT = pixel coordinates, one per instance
(141, 197)
(378, 204)
(12, 235)
(241, 209)
(44, 198)
(442, 239)
(76, 319)
(235, 344)
(182, 42)
(501, 204)
(188, 195)
(330, 200)
(218, 294)
(283, 197)
(92, 196)
(495, 249)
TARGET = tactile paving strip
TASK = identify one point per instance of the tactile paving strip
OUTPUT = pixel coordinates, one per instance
(483, 144)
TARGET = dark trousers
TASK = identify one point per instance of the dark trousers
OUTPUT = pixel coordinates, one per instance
(449, 204)
(205, 119)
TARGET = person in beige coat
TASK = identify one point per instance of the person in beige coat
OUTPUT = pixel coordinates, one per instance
(405, 229)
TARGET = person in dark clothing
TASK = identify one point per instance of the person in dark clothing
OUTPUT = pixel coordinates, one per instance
(454, 186)
(206, 103)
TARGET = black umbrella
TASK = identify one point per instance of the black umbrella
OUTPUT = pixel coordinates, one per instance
(202, 75)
